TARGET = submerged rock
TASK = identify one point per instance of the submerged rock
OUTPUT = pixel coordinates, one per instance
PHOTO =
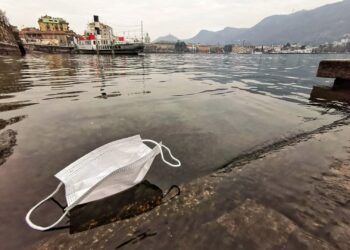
(14, 105)
(7, 142)
(4, 123)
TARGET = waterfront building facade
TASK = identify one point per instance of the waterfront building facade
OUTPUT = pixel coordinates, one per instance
(53, 24)
(237, 49)
(147, 38)
(52, 31)
(35, 36)
(203, 48)
(160, 47)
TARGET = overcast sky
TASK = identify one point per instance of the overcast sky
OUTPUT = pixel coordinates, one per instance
(182, 18)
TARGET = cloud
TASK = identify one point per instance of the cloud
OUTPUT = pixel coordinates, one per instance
(182, 18)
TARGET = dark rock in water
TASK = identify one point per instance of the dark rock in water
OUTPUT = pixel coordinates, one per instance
(105, 95)
(4, 123)
(7, 142)
(14, 105)
(130, 203)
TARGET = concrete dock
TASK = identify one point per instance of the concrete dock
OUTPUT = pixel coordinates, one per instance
(340, 91)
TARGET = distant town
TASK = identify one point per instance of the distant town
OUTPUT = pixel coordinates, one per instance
(342, 46)
(55, 32)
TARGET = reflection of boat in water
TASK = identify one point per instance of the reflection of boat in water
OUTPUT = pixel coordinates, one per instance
(99, 39)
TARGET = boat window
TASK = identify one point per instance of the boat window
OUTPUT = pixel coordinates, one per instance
(94, 42)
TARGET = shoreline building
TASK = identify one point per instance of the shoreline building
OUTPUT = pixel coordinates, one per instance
(52, 31)
(147, 38)
(48, 23)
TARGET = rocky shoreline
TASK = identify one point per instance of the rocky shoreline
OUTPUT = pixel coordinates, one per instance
(9, 49)
(10, 43)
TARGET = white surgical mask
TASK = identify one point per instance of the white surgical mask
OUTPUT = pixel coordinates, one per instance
(107, 170)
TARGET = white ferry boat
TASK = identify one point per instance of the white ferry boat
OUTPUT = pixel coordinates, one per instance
(99, 39)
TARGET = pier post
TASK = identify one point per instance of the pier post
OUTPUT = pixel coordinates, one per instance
(340, 91)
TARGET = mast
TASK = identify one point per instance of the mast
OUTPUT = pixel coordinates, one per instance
(141, 31)
(97, 32)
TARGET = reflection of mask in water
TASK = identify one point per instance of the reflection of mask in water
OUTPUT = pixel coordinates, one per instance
(135, 201)
(107, 170)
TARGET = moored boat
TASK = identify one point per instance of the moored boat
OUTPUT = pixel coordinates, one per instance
(92, 45)
(99, 39)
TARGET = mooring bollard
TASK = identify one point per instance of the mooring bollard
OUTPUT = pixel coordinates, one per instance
(340, 91)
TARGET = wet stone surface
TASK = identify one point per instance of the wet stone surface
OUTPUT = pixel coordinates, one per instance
(274, 202)
(130, 203)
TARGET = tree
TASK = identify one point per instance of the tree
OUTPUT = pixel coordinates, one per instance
(228, 48)
(287, 46)
(180, 47)
(347, 47)
(3, 18)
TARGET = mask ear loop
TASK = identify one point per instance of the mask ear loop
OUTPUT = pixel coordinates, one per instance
(161, 146)
(40, 228)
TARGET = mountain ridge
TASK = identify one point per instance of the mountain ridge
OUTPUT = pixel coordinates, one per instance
(168, 38)
(326, 23)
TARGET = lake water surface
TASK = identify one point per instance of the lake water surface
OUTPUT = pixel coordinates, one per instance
(209, 109)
